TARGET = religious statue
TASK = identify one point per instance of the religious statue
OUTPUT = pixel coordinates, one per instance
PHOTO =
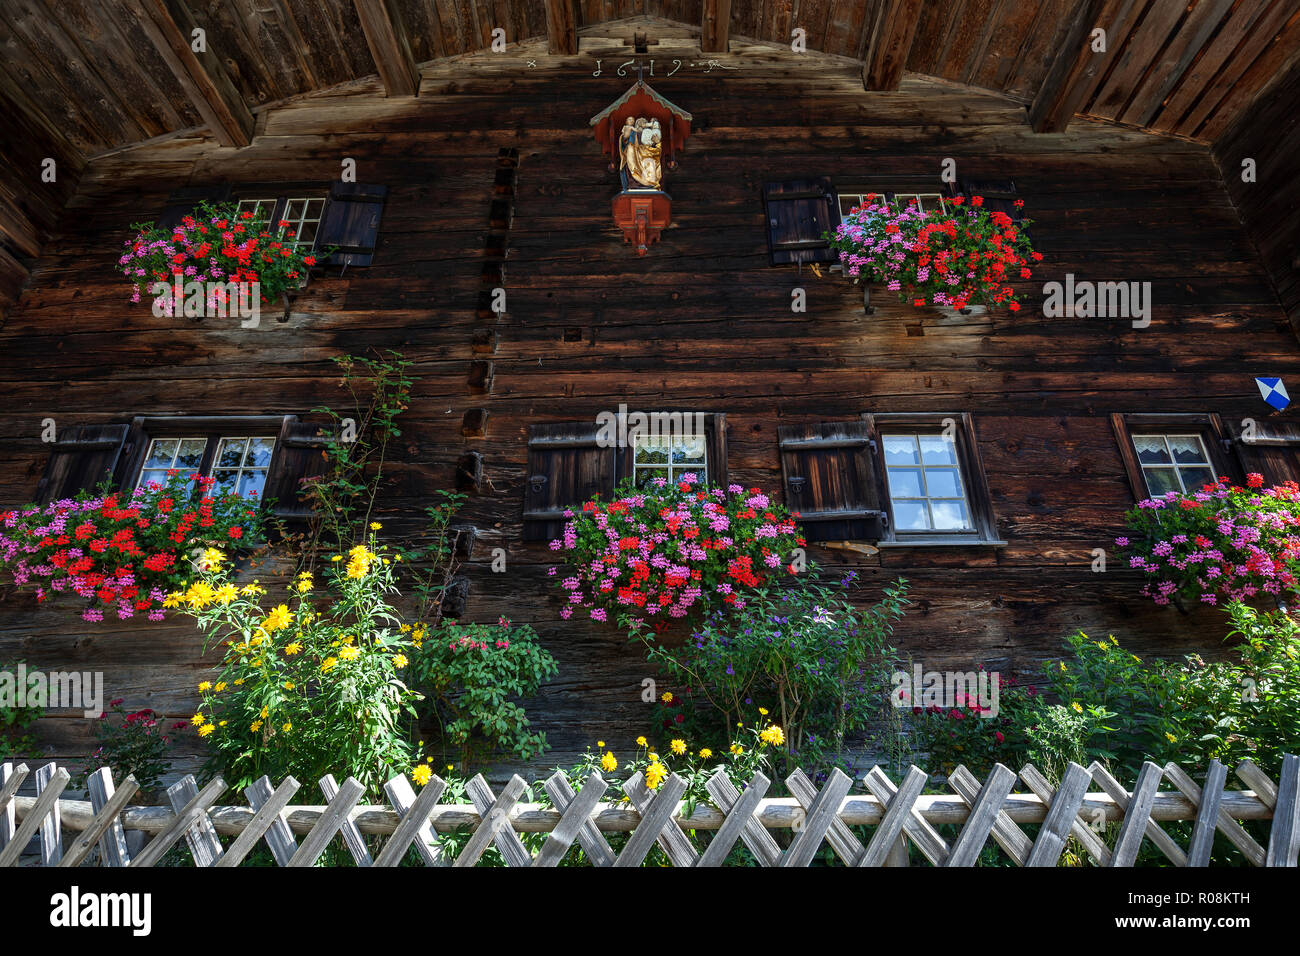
(640, 159)
(641, 133)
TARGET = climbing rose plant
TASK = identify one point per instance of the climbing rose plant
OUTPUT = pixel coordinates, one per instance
(217, 244)
(669, 549)
(122, 554)
(966, 256)
(1221, 543)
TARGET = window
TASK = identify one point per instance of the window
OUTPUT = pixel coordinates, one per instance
(571, 462)
(238, 463)
(932, 480)
(344, 217)
(923, 475)
(1173, 462)
(670, 458)
(926, 201)
(266, 455)
(1170, 452)
(303, 213)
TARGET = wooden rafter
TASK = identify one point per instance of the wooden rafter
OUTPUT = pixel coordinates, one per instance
(883, 68)
(561, 27)
(1073, 73)
(390, 46)
(715, 26)
(171, 26)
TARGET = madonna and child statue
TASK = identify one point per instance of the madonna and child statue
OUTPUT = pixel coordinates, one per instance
(640, 158)
(641, 133)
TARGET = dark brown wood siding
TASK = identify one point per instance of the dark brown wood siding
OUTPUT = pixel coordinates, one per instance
(702, 321)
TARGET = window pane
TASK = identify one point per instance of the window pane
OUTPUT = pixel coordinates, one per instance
(652, 453)
(949, 515)
(943, 483)
(1151, 449)
(259, 452)
(1161, 480)
(231, 452)
(162, 451)
(252, 481)
(937, 450)
(645, 475)
(690, 451)
(1187, 449)
(911, 516)
(155, 475)
(226, 480)
(190, 454)
(1194, 478)
(906, 483)
(901, 450)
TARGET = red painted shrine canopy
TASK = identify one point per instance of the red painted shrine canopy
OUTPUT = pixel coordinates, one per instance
(638, 101)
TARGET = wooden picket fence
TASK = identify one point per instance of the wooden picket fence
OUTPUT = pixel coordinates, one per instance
(898, 813)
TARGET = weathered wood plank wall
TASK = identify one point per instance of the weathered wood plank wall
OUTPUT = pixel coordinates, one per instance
(1270, 137)
(702, 321)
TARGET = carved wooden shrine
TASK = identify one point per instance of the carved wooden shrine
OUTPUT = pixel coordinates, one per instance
(641, 133)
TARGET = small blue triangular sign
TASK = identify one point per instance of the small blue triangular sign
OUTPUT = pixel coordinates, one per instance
(1273, 391)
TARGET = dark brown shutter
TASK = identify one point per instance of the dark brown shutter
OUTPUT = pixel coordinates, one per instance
(80, 459)
(350, 222)
(183, 201)
(798, 213)
(566, 467)
(299, 453)
(1273, 451)
(830, 480)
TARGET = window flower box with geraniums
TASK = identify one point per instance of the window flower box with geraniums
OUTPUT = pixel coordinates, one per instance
(662, 552)
(237, 258)
(1221, 543)
(963, 257)
(122, 554)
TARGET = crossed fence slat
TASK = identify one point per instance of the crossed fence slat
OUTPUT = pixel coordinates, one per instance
(1005, 833)
(1229, 827)
(818, 817)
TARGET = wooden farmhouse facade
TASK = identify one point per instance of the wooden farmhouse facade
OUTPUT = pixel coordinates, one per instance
(1130, 168)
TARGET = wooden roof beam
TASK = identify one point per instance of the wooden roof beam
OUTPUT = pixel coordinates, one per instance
(390, 46)
(715, 26)
(562, 27)
(1074, 72)
(887, 56)
(171, 26)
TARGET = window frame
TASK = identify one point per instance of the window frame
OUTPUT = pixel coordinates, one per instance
(979, 504)
(145, 429)
(1208, 426)
(891, 195)
(715, 449)
(280, 195)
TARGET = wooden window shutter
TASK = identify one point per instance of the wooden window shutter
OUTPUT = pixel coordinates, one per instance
(183, 202)
(1273, 451)
(798, 212)
(299, 453)
(566, 467)
(830, 480)
(80, 458)
(350, 221)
